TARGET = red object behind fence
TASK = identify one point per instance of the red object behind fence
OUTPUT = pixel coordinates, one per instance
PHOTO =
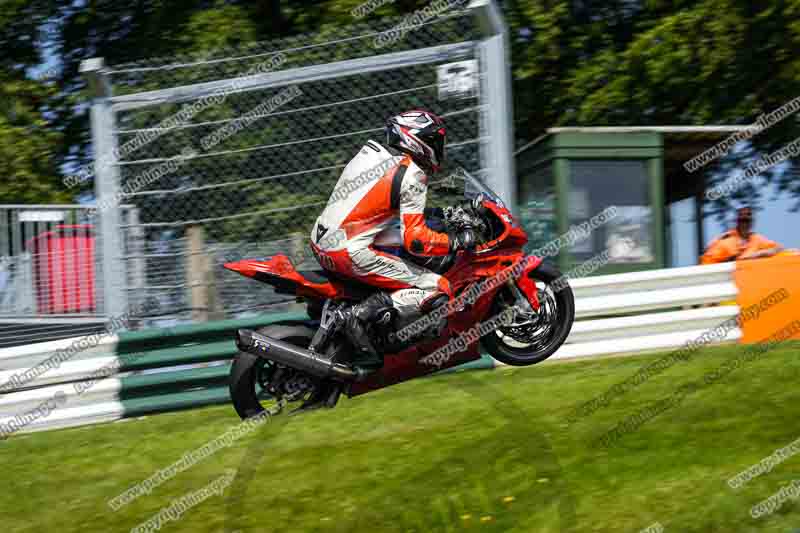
(63, 269)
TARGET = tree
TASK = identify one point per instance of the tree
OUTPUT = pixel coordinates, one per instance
(578, 63)
(28, 139)
(575, 62)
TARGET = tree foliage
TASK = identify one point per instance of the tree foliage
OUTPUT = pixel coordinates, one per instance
(29, 138)
(575, 62)
(658, 62)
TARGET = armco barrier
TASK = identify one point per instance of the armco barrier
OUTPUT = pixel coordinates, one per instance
(146, 372)
(649, 311)
(187, 366)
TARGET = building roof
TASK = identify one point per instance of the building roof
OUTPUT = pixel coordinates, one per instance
(691, 134)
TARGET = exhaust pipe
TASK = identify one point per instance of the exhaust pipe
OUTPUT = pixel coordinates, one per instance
(299, 358)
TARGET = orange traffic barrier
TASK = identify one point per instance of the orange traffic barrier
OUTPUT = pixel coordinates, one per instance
(756, 279)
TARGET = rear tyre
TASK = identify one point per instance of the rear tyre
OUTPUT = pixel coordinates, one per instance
(244, 379)
(533, 339)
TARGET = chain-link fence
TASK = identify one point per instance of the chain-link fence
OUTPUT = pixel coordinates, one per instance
(51, 275)
(235, 154)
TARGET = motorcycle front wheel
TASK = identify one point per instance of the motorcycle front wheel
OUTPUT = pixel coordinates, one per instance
(533, 337)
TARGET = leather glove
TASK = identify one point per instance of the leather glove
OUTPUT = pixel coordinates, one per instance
(463, 240)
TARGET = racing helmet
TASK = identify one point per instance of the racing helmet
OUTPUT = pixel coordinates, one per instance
(419, 133)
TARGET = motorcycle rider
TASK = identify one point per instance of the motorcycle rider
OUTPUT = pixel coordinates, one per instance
(380, 185)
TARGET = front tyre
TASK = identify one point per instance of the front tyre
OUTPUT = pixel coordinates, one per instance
(533, 338)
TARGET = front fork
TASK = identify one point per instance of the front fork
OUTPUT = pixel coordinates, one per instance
(524, 286)
(521, 300)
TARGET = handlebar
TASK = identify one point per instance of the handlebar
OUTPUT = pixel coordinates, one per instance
(468, 215)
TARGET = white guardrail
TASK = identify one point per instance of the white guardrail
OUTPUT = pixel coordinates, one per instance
(100, 403)
(615, 315)
(652, 310)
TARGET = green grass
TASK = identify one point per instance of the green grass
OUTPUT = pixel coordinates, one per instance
(472, 451)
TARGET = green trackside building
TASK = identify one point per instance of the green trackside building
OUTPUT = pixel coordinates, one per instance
(571, 174)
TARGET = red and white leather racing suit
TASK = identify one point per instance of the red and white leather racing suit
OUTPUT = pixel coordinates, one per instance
(376, 191)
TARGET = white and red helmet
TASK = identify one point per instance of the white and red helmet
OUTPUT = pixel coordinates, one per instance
(419, 133)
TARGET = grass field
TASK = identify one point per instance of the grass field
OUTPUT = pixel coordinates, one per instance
(472, 451)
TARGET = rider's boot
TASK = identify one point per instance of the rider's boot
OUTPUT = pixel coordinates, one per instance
(378, 308)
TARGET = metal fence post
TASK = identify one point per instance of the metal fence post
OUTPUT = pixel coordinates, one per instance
(197, 273)
(107, 187)
(135, 250)
(497, 118)
(340, 77)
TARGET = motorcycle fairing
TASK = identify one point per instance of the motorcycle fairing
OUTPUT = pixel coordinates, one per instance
(501, 253)
(279, 272)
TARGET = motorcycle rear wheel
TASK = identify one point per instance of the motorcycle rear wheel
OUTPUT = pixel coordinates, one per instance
(532, 342)
(244, 376)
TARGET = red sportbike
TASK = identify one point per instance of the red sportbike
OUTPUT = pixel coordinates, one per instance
(517, 307)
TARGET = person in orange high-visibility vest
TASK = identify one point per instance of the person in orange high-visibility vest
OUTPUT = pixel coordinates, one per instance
(740, 243)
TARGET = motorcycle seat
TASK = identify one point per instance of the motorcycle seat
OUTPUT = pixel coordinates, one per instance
(326, 276)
